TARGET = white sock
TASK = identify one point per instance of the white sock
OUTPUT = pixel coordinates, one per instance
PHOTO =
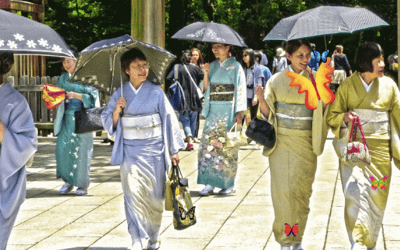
(285, 248)
(374, 248)
(356, 246)
(297, 247)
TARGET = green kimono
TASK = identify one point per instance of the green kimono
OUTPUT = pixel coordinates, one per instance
(74, 151)
(364, 206)
(293, 160)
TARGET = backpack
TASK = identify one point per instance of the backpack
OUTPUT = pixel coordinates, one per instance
(175, 92)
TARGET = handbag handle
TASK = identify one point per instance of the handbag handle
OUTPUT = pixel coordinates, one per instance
(356, 123)
(234, 126)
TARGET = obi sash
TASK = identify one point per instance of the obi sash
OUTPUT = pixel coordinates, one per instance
(141, 126)
(374, 121)
(222, 92)
(293, 116)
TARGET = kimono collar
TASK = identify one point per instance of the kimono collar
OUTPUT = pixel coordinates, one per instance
(227, 62)
(291, 70)
(133, 88)
(366, 86)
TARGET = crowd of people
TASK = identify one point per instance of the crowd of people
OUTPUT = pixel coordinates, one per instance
(148, 137)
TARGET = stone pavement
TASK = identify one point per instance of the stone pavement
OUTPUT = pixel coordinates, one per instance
(240, 221)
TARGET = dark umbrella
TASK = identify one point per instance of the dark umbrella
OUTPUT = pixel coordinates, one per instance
(99, 64)
(324, 20)
(21, 35)
(211, 33)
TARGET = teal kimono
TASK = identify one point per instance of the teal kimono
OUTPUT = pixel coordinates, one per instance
(73, 151)
(225, 97)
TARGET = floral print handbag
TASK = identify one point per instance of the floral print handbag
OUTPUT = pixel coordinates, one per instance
(356, 152)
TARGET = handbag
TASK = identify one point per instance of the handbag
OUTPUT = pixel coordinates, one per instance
(199, 92)
(183, 210)
(175, 93)
(235, 138)
(262, 132)
(355, 151)
(88, 120)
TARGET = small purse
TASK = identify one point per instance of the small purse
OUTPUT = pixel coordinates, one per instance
(184, 212)
(356, 151)
(235, 138)
(262, 132)
(88, 120)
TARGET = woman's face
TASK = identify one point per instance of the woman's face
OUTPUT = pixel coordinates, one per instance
(246, 58)
(220, 50)
(195, 57)
(300, 58)
(138, 71)
(378, 65)
(69, 65)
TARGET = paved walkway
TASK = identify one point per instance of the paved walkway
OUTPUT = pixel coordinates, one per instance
(240, 221)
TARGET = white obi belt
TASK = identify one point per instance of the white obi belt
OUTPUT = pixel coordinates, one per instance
(141, 126)
(373, 121)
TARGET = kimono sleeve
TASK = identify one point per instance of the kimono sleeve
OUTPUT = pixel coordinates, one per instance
(241, 94)
(89, 96)
(106, 115)
(19, 142)
(337, 110)
(395, 126)
(171, 129)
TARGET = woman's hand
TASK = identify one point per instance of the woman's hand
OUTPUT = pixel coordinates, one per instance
(175, 159)
(73, 95)
(349, 116)
(206, 68)
(259, 93)
(255, 101)
(238, 118)
(2, 131)
(121, 104)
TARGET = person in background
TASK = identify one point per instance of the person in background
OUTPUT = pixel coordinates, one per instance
(342, 68)
(264, 59)
(301, 135)
(254, 77)
(73, 151)
(280, 62)
(374, 98)
(315, 58)
(225, 104)
(18, 143)
(197, 59)
(189, 75)
(147, 142)
(267, 73)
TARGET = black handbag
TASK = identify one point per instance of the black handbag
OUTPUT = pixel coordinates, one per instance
(262, 132)
(184, 212)
(88, 120)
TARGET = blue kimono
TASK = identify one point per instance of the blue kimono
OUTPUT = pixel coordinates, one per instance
(225, 97)
(73, 151)
(144, 162)
(19, 145)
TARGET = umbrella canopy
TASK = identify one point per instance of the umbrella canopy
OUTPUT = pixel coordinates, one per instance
(99, 65)
(211, 33)
(21, 35)
(324, 20)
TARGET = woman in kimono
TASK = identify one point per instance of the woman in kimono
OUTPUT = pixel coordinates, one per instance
(18, 143)
(375, 99)
(73, 151)
(147, 139)
(300, 134)
(225, 104)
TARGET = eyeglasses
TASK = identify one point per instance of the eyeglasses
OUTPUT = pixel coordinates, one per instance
(143, 66)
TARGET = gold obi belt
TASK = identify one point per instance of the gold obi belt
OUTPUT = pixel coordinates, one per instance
(141, 126)
(374, 121)
(222, 92)
(293, 116)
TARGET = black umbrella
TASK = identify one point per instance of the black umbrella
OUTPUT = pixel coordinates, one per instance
(211, 33)
(99, 64)
(324, 20)
(21, 35)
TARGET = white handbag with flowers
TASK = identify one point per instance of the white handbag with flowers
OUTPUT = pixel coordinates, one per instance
(236, 137)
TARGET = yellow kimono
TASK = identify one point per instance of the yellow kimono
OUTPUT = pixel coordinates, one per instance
(364, 206)
(301, 135)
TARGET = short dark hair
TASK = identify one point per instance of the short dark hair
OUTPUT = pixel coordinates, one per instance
(130, 56)
(257, 54)
(293, 45)
(365, 54)
(185, 58)
(6, 62)
(249, 52)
